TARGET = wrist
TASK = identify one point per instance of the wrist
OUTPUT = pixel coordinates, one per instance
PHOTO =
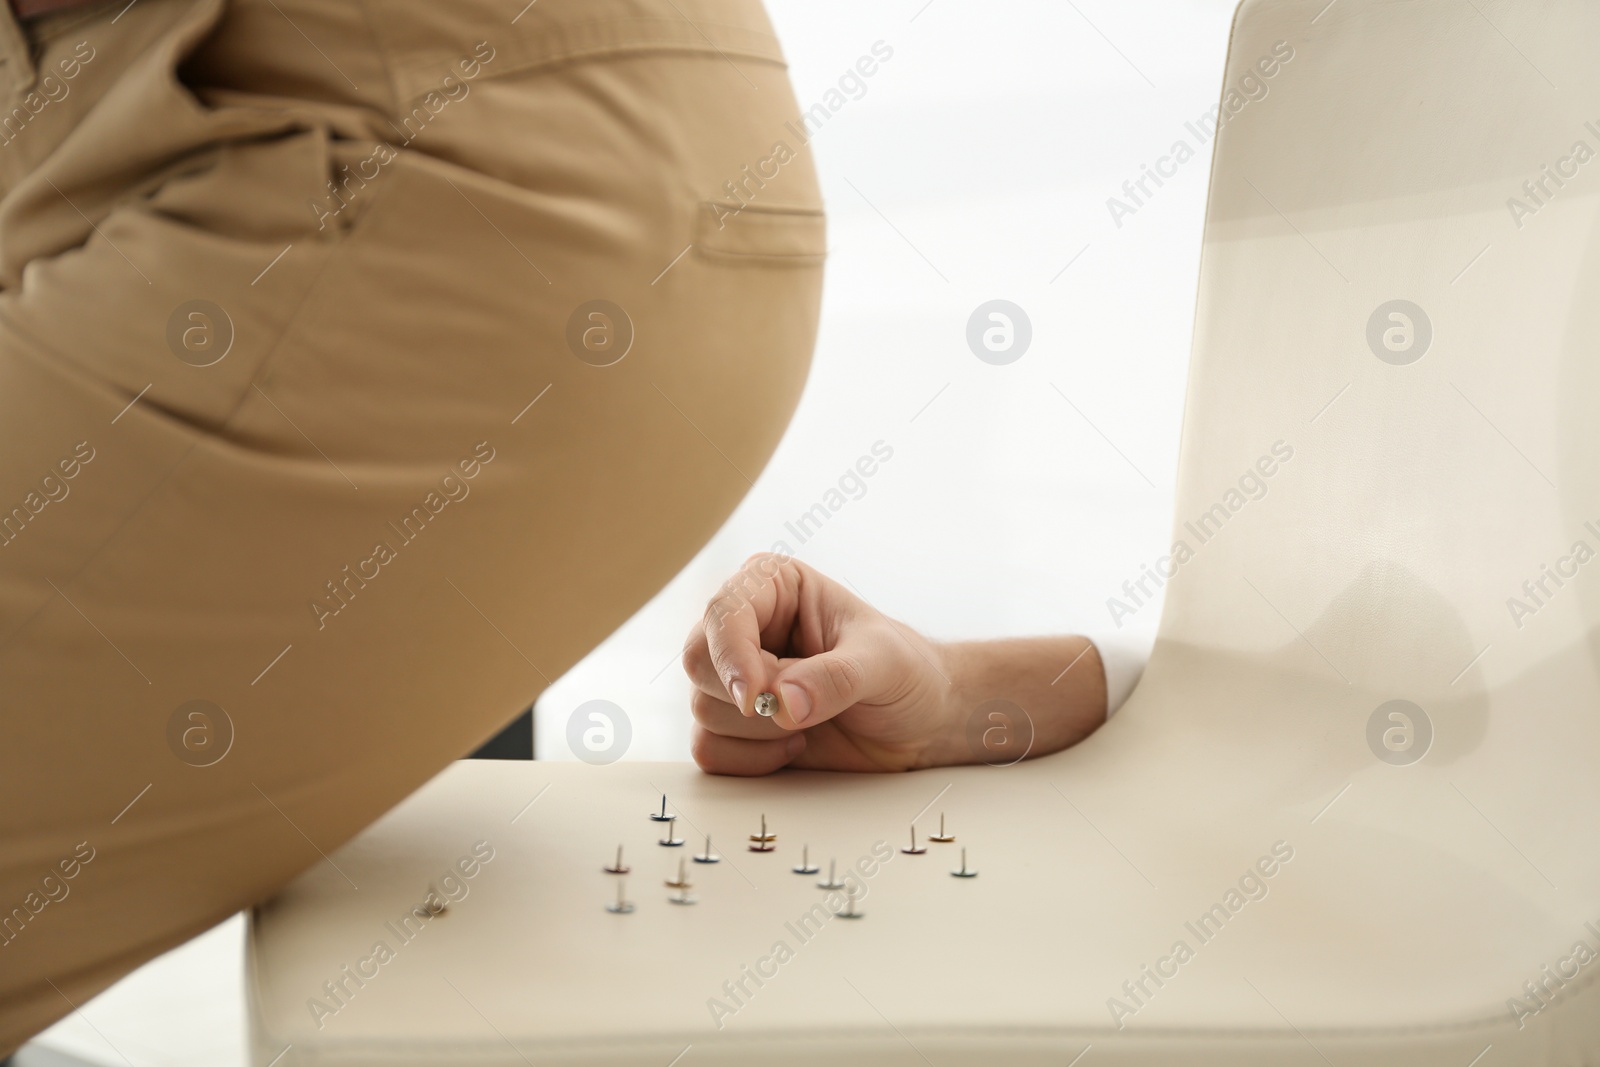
(1019, 696)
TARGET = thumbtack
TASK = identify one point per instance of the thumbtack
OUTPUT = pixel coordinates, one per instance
(683, 876)
(432, 902)
(672, 840)
(622, 905)
(964, 872)
(762, 841)
(850, 911)
(913, 850)
(617, 868)
(832, 882)
(683, 897)
(664, 816)
(767, 705)
(806, 866)
(708, 856)
(941, 836)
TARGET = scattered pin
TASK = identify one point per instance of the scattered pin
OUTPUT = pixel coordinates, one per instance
(941, 836)
(683, 876)
(806, 866)
(964, 872)
(683, 897)
(913, 850)
(762, 841)
(617, 868)
(664, 816)
(832, 882)
(850, 911)
(672, 840)
(708, 856)
(622, 905)
(434, 905)
(767, 705)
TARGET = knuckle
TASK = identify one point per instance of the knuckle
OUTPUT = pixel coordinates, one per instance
(843, 675)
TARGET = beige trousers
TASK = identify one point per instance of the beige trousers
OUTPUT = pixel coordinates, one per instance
(363, 363)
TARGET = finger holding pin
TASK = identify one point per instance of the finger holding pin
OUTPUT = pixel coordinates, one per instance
(618, 867)
(708, 856)
(767, 705)
(806, 866)
(912, 849)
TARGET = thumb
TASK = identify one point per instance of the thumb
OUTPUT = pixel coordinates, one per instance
(815, 689)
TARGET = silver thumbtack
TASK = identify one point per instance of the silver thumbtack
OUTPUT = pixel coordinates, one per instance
(832, 882)
(663, 817)
(683, 876)
(767, 705)
(941, 836)
(617, 868)
(806, 866)
(762, 841)
(622, 905)
(672, 840)
(708, 856)
(913, 850)
(850, 911)
(683, 897)
(964, 872)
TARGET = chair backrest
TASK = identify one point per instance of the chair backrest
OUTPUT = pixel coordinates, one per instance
(1389, 487)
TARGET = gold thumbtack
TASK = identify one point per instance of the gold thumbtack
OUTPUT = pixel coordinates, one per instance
(683, 876)
(762, 841)
(941, 836)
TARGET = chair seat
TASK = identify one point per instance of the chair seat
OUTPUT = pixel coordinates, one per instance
(1355, 912)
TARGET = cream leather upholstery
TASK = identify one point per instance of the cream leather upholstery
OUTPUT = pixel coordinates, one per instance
(1417, 910)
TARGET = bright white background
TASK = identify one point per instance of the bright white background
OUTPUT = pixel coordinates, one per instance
(976, 166)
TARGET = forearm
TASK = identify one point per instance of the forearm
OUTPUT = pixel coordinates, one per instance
(1059, 682)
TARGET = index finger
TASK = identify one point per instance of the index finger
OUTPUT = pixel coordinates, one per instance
(734, 622)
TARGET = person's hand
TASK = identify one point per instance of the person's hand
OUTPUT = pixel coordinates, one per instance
(856, 690)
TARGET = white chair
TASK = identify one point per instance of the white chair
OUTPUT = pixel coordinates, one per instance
(1379, 502)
